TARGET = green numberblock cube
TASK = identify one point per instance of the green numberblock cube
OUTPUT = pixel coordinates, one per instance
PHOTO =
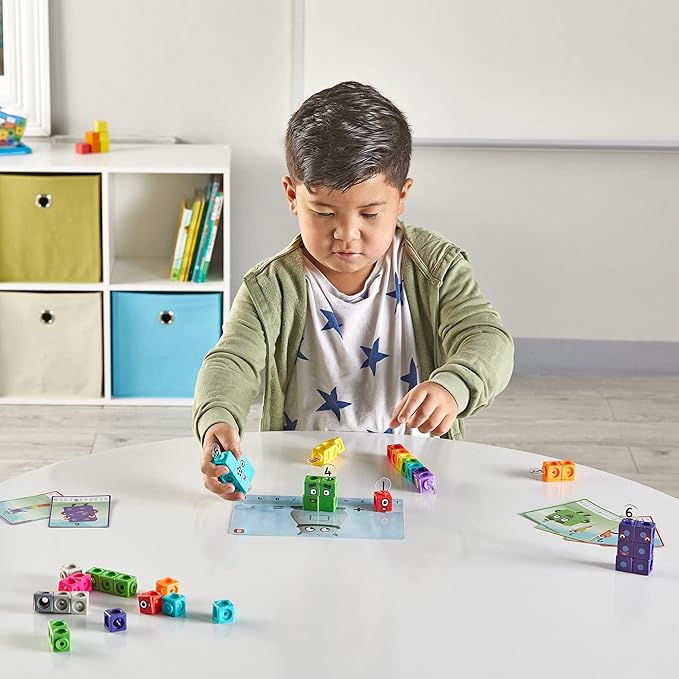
(312, 491)
(327, 500)
(60, 636)
(125, 585)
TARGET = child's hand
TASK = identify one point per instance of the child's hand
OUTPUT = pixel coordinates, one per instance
(428, 407)
(226, 437)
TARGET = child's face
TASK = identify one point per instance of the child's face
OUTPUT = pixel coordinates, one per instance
(345, 233)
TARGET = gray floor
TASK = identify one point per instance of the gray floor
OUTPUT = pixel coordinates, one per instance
(625, 425)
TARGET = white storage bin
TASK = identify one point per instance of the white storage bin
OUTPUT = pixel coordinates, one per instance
(51, 344)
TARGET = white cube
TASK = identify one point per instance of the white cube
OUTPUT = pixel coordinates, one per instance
(62, 602)
(68, 569)
(80, 602)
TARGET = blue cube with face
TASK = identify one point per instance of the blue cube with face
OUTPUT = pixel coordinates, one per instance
(240, 472)
(644, 531)
(626, 530)
(625, 548)
(223, 611)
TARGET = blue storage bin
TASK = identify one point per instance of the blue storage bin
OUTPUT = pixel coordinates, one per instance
(159, 341)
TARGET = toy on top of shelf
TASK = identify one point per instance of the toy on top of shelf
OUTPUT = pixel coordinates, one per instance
(241, 472)
(96, 141)
(411, 468)
(12, 127)
(635, 546)
(558, 470)
(326, 451)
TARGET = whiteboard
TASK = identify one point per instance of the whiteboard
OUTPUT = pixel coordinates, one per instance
(571, 71)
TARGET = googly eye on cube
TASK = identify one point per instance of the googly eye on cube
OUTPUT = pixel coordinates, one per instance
(241, 472)
(382, 501)
(115, 620)
(223, 611)
(320, 494)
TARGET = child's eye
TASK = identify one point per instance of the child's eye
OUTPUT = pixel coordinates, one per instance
(371, 216)
(325, 215)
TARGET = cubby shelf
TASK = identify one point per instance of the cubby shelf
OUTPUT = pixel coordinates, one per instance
(141, 189)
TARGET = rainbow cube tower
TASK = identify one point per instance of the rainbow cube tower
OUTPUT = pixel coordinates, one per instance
(411, 468)
(96, 140)
(635, 546)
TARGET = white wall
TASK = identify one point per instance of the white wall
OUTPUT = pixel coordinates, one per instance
(568, 244)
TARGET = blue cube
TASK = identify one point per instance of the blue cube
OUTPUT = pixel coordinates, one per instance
(644, 531)
(223, 610)
(174, 605)
(623, 563)
(625, 548)
(115, 620)
(219, 458)
(240, 472)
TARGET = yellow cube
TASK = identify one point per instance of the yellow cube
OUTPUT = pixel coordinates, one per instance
(100, 126)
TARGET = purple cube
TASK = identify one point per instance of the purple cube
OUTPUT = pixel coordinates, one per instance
(115, 620)
(424, 480)
(642, 550)
(626, 530)
(642, 566)
(644, 531)
(625, 548)
(623, 563)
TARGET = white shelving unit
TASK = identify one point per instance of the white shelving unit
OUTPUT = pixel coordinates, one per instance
(142, 186)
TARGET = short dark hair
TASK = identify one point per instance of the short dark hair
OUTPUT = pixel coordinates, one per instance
(343, 135)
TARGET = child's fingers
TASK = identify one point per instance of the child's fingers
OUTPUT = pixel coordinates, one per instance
(430, 423)
(445, 424)
(413, 400)
(423, 412)
(214, 485)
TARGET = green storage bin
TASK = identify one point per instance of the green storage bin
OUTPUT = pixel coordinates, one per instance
(50, 228)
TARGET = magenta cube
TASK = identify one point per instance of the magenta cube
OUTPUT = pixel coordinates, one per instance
(84, 581)
(69, 584)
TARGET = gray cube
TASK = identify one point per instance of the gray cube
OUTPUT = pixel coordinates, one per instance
(80, 602)
(43, 602)
(68, 569)
(61, 602)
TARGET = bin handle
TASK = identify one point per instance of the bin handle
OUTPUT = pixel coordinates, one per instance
(47, 316)
(43, 200)
(166, 317)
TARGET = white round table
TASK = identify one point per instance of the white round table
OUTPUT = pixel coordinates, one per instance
(474, 590)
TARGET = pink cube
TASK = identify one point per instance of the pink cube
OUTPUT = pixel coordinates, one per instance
(69, 584)
(84, 581)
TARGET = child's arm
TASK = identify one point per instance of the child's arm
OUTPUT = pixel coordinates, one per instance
(229, 378)
(478, 353)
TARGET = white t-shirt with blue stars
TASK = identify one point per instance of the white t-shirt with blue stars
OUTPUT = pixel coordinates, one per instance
(357, 358)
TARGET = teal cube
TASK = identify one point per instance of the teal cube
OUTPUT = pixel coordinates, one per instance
(327, 501)
(174, 605)
(124, 585)
(223, 611)
(59, 636)
(410, 467)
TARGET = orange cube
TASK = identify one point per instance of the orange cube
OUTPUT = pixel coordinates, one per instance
(558, 470)
(166, 586)
(92, 138)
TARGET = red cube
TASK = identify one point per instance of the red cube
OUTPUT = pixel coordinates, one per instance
(150, 603)
(83, 148)
(382, 501)
(393, 449)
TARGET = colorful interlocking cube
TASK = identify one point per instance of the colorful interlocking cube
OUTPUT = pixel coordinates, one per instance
(312, 492)
(410, 467)
(223, 611)
(115, 620)
(558, 470)
(327, 451)
(174, 604)
(59, 636)
(241, 472)
(636, 538)
(382, 501)
(167, 586)
(111, 582)
(150, 603)
(327, 500)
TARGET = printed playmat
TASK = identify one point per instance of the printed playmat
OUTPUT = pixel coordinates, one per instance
(284, 515)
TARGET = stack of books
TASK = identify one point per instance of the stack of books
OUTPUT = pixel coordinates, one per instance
(199, 220)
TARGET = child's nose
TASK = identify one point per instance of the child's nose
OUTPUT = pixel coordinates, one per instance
(347, 231)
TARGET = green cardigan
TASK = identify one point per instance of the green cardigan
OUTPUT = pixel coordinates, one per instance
(460, 340)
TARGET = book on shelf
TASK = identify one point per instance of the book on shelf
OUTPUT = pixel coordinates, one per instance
(185, 214)
(204, 235)
(194, 228)
(204, 256)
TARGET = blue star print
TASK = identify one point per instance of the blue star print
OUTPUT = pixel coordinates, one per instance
(333, 323)
(301, 355)
(331, 402)
(374, 356)
(397, 292)
(411, 377)
(290, 425)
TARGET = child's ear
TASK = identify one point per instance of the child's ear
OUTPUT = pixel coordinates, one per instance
(404, 192)
(290, 194)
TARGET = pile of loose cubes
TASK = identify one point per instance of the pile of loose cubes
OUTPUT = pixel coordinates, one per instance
(75, 587)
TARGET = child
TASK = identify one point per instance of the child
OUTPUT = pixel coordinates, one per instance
(361, 323)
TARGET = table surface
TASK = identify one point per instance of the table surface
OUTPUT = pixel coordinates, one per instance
(474, 590)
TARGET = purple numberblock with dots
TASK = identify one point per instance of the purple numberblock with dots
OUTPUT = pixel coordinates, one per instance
(79, 513)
